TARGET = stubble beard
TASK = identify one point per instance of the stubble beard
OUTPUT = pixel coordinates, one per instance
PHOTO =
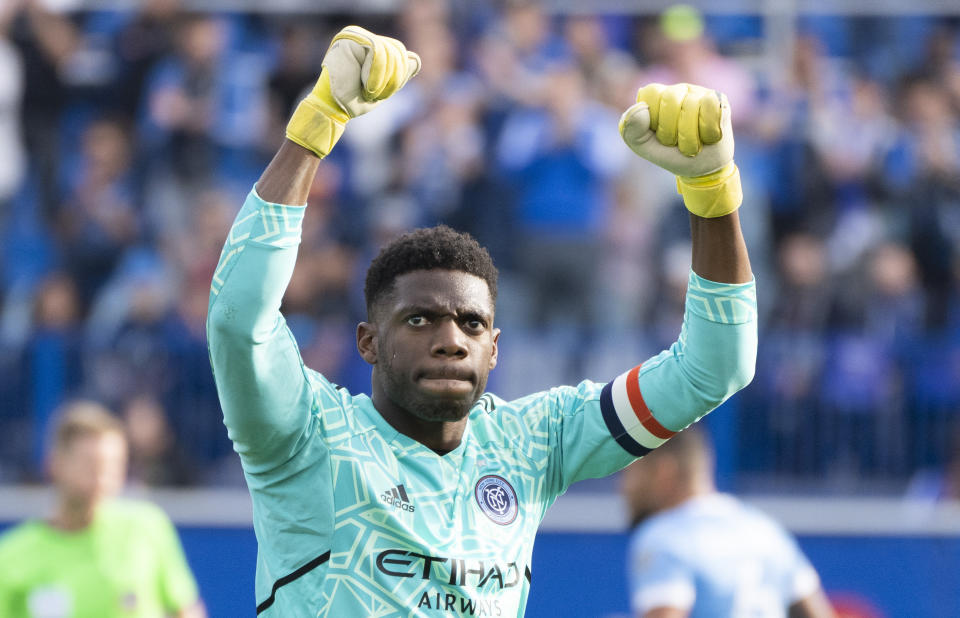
(404, 394)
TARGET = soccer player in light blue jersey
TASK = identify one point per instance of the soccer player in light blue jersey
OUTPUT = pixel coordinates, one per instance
(423, 498)
(698, 553)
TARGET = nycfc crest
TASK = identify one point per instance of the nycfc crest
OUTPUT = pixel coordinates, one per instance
(496, 499)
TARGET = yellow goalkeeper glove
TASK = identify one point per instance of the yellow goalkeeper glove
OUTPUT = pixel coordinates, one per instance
(360, 69)
(687, 130)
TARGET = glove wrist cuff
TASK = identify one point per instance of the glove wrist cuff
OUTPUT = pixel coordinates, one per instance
(712, 195)
(316, 126)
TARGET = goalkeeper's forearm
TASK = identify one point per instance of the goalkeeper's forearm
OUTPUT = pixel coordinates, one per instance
(288, 178)
(719, 252)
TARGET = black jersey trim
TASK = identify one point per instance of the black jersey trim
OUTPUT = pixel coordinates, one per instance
(487, 402)
(528, 574)
(286, 579)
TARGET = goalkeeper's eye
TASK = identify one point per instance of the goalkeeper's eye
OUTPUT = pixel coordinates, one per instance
(417, 320)
(474, 324)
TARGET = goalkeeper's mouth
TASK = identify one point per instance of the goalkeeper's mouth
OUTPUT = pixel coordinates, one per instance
(446, 381)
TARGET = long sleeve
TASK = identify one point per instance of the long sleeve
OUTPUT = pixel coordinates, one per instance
(592, 430)
(714, 357)
(261, 380)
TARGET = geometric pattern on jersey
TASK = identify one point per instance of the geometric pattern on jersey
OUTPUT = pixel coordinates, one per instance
(723, 303)
(273, 225)
(438, 550)
(336, 537)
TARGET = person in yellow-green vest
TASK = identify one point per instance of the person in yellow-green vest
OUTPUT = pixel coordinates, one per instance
(95, 556)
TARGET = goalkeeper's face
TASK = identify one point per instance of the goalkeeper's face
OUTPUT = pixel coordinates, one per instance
(433, 344)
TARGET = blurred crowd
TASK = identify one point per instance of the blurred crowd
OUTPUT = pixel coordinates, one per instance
(128, 140)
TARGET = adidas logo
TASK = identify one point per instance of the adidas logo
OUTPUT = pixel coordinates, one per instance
(397, 497)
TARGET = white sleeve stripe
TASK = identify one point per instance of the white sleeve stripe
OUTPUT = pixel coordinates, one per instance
(627, 416)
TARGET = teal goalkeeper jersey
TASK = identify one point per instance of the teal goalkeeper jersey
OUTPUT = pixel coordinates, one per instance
(355, 519)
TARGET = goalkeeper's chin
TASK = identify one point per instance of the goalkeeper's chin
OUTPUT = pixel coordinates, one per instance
(443, 408)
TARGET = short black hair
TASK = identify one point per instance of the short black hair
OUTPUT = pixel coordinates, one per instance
(425, 249)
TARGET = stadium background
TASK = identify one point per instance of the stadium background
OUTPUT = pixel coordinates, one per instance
(130, 132)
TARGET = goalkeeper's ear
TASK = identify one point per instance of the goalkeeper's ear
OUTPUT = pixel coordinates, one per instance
(367, 341)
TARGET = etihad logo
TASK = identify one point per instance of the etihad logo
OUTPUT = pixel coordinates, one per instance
(453, 571)
(448, 601)
(398, 499)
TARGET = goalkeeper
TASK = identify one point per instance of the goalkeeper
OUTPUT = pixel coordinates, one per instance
(424, 497)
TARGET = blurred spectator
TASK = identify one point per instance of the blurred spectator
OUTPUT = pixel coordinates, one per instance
(443, 150)
(878, 317)
(12, 157)
(684, 53)
(192, 245)
(608, 72)
(561, 155)
(929, 139)
(146, 333)
(943, 63)
(94, 555)
(156, 458)
(184, 96)
(312, 298)
(883, 298)
(97, 222)
(47, 42)
(799, 199)
(793, 349)
(53, 355)
(295, 71)
(420, 16)
(851, 135)
(144, 350)
(666, 310)
(141, 44)
(513, 55)
(802, 300)
(923, 173)
(206, 102)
